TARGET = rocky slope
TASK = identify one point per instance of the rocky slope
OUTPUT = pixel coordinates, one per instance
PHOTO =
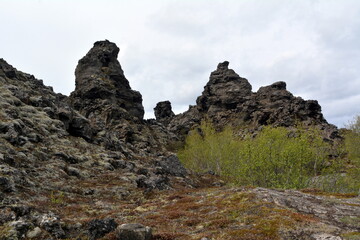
(76, 167)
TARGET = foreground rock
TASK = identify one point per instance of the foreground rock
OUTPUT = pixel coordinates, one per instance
(58, 152)
(98, 228)
(133, 232)
(343, 213)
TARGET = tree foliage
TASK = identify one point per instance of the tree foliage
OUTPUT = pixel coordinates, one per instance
(276, 157)
(352, 146)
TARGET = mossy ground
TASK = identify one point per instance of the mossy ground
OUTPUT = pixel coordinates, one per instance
(213, 212)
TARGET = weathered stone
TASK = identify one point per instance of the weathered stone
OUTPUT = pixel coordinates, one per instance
(224, 91)
(21, 210)
(133, 231)
(171, 165)
(101, 87)
(325, 236)
(334, 212)
(163, 112)
(99, 135)
(154, 182)
(76, 124)
(6, 184)
(98, 228)
(111, 113)
(21, 227)
(227, 100)
(51, 223)
(34, 233)
(6, 215)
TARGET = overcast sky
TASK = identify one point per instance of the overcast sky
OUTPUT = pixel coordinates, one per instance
(168, 48)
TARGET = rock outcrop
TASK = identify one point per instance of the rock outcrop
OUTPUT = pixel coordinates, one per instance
(76, 167)
(224, 91)
(101, 87)
(228, 99)
(113, 110)
(163, 112)
(54, 148)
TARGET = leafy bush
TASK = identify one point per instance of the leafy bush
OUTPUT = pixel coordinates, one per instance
(276, 157)
(352, 140)
(352, 146)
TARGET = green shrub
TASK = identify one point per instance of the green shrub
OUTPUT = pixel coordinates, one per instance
(208, 150)
(352, 146)
(276, 157)
(352, 140)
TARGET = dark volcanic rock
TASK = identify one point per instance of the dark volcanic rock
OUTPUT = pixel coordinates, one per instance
(279, 107)
(163, 112)
(113, 110)
(87, 154)
(98, 228)
(225, 90)
(102, 92)
(171, 165)
(51, 223)
(50, 145)
(227, 100)
(154, 182)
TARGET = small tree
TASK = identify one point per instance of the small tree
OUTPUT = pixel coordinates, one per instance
(282, 159)
(208, 150)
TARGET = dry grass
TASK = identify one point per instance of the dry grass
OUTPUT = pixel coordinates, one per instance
(216, 213)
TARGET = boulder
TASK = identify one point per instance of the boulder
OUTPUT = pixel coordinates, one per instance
(172, 166)
(160, 182)
(134, 231)
(51, 223)
(97, 228)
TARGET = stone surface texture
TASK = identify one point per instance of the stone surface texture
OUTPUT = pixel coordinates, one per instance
(76, 167)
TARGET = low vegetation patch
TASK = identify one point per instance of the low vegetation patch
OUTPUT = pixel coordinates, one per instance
(274, 158)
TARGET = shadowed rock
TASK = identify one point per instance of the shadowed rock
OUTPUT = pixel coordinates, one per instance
(225, 90)
(227, 100)
(163, 112)
(98, 228)
(102, 92)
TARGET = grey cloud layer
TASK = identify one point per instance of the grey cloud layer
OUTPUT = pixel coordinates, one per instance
(169, 48)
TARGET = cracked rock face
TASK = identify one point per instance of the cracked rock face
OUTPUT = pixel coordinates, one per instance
(225, 90)
(163, 112)
(227, 99)
(102, 91)
(62, 155)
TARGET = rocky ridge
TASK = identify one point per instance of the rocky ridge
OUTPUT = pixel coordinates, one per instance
(77, 167)
(228, 99)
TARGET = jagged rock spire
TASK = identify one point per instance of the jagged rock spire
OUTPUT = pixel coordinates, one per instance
(224, 90)
(163, 112)
(100, 82)
(228, 99)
